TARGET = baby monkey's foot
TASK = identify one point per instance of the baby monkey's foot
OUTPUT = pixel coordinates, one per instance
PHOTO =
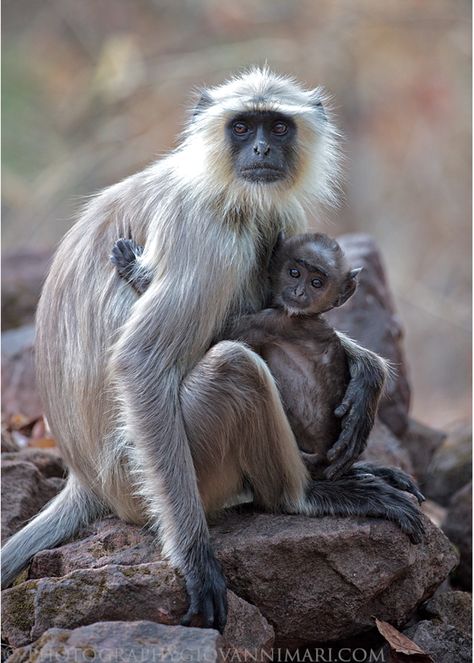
(124, 255)
(391, 475)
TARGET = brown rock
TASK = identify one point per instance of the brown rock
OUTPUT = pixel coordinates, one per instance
(107, 541)
(19, 392)
(453, 608)
(451, 466)
(153, 591)
(23, 273)
(116, 642)
(421, 442)
(458, 528)
(383, 448)
(324, 579)
(48, 461)
(9, 444)
(369, 317)
(24, 492)
(312, 579)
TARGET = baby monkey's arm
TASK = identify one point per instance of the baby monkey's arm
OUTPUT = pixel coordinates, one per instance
(254, 329)
(125, 254)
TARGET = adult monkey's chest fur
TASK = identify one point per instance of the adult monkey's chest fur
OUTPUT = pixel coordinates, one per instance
(255, 287)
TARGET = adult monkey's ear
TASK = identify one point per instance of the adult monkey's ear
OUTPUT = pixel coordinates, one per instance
(317, 97)
(204, 101)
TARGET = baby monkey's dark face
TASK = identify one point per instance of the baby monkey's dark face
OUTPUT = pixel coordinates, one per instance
(310, 275)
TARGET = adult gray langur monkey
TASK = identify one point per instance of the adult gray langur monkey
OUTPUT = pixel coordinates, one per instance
(157, 419)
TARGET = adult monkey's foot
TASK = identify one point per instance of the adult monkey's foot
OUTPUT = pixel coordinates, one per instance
(207, 591)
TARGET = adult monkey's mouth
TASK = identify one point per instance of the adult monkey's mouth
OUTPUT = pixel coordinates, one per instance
(262, 173)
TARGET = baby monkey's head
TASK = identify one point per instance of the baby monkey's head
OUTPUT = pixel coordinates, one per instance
(309, 274)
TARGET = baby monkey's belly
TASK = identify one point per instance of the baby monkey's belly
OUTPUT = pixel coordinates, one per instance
(312, 380)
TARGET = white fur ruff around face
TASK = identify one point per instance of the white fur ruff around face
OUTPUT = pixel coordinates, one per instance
(316, 179)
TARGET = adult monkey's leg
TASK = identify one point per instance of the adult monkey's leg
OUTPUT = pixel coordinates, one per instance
(238, 433)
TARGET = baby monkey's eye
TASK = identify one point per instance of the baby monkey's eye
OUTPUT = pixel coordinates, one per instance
(240, 128)
(280, 128)
(294, 273)
(317, 283)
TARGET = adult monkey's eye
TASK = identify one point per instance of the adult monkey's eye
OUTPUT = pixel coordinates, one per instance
(240, 128)
(294, 273)
(280, 128)
(317, 283)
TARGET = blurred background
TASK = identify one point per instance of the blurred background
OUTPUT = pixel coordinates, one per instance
(94, 90)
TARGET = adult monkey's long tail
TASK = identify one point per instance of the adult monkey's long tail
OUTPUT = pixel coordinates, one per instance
(62, 517)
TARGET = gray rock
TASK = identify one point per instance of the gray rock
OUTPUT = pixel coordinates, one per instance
(451, 466)
(453, 608)
(24, 492)
(444, 643)
(116, 642)
(313, 579)
(370, 318)
(458, 528)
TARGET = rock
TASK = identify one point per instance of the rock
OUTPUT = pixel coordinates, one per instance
(48, 462)
(453, 608)
(113, 592)
(451, 466)
(323, 579)
(20, 395)
(23, 273)
(421, 442)
(24, 492)
(9, 444)
(444, 643)
(116, 642)
(434, 511)
(458, 528)
(313, 579)
(369, 317)
(383, 448)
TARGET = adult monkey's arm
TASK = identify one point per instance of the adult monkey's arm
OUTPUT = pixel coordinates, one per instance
(163, 339)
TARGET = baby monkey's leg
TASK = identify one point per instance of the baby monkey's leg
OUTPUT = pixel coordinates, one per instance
(391, 475)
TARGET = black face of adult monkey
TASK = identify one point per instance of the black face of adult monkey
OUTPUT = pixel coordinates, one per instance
(263, 146)
(156, 420)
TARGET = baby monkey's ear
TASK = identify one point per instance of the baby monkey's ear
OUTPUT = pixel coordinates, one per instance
(349, 286)
(278, 244)
(279, 241)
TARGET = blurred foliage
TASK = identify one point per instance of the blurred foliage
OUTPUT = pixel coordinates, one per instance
(95, 89)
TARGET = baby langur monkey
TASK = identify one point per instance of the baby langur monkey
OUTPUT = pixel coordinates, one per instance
(309, 275)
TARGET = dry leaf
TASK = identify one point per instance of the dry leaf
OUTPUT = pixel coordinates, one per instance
(20, 421)
(400, 644)
(42, 443)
